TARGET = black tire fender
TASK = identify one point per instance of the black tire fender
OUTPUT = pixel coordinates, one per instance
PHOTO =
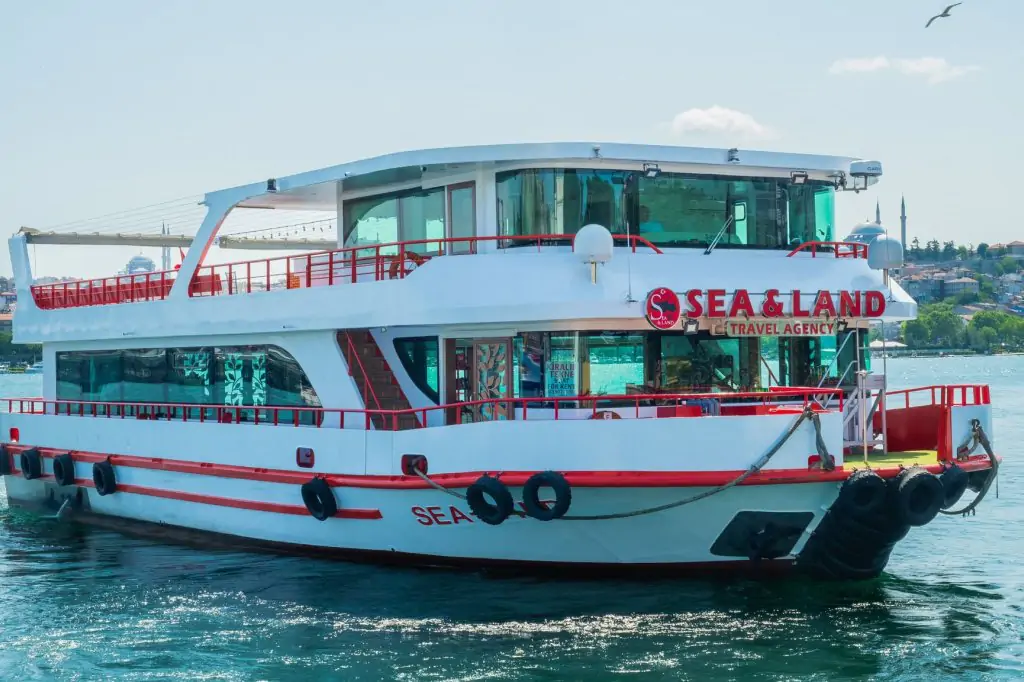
(103, 478)
(64, 469)
(31, 463)
(863, 493)
(976, 479)
(531, 496)
(6, 467)
(954, 485)
(319, 499)
(919, 496)
(492, 514)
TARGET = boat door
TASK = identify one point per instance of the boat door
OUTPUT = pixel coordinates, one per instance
(491, 378)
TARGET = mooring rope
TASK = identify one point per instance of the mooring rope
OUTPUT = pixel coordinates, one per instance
(828, 463)
(977, 437)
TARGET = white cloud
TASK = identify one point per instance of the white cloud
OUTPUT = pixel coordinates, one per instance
(859, 65)
(933, 69)
(716, 119)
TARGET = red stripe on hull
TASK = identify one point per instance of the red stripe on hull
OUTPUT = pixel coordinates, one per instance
(251, 505)
(580, 479)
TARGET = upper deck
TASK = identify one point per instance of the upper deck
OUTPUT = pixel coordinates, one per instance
(397, 214)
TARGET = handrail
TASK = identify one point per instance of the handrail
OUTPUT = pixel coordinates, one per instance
(367, 384)
(839, 249)
(148, 286)
(953, 395)
(351, 264)
(319, 416)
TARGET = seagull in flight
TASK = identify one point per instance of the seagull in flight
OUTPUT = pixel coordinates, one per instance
(945, 13)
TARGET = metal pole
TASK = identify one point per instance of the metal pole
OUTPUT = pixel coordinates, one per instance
(885, 387)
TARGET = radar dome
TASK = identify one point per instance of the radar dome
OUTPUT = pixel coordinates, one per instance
(885, 253)
(594, 244)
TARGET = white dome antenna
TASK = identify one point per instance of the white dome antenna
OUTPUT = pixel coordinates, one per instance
(594, 244)
(885, 253)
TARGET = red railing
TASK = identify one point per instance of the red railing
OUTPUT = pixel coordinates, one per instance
(150, 286)
(837, 249)
(783, 399)
(352, 352)
(959, 395)
(322, 268)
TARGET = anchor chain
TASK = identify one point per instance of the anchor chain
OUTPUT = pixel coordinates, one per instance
(977, 437)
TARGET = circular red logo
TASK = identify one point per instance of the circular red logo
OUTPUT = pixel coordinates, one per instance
(663, 309)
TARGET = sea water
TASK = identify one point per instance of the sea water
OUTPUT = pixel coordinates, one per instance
(79, 603)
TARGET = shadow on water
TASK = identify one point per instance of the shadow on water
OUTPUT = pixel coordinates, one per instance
(87, 602)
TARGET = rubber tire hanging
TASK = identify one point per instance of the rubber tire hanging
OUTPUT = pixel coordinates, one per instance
(954, 485)
(492, 514)
(531, 497)
(919, 496)
(64, 469)
(319, 499)
(103, 478)
(863, 493)
(31, 463)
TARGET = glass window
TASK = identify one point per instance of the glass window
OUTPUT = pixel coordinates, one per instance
(419, 358)
(811, 213)
(247, 376)
(462, 209)
(390, 218)
(561, 366)
(701, 362)
(541, 202)
(616, 362)
(421, 217)
(370, 221)
(670, 209)
(145, 375)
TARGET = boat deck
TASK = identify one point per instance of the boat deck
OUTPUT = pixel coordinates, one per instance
(887, 460)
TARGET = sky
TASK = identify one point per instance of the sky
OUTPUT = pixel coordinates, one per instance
(108, 106)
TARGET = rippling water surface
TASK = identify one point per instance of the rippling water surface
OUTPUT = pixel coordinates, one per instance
(85, 604)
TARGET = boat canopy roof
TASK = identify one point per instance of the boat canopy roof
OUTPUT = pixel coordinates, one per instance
(318, 189)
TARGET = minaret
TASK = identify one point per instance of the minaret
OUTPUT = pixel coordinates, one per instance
(903, 223)
(878, 213)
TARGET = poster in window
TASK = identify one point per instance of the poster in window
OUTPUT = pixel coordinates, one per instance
(560, 374)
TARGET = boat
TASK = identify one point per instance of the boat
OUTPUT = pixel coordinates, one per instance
(34, 368)
(569, 358)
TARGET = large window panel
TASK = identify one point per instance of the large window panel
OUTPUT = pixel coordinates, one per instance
(419, 356)
(616, 362)
(669, 209)
(240, 376)
(421, 217)
(372, 220)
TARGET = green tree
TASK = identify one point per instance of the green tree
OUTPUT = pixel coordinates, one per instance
(931, 250)
(962, 253)
(982, 249)
(915, 249)
(947, 328)
(916, 333)
(948, 251)
(1009, 264)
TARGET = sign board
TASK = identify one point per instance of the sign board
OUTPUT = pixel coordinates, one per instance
(781, 328)
(560, 374)
(662, 308)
